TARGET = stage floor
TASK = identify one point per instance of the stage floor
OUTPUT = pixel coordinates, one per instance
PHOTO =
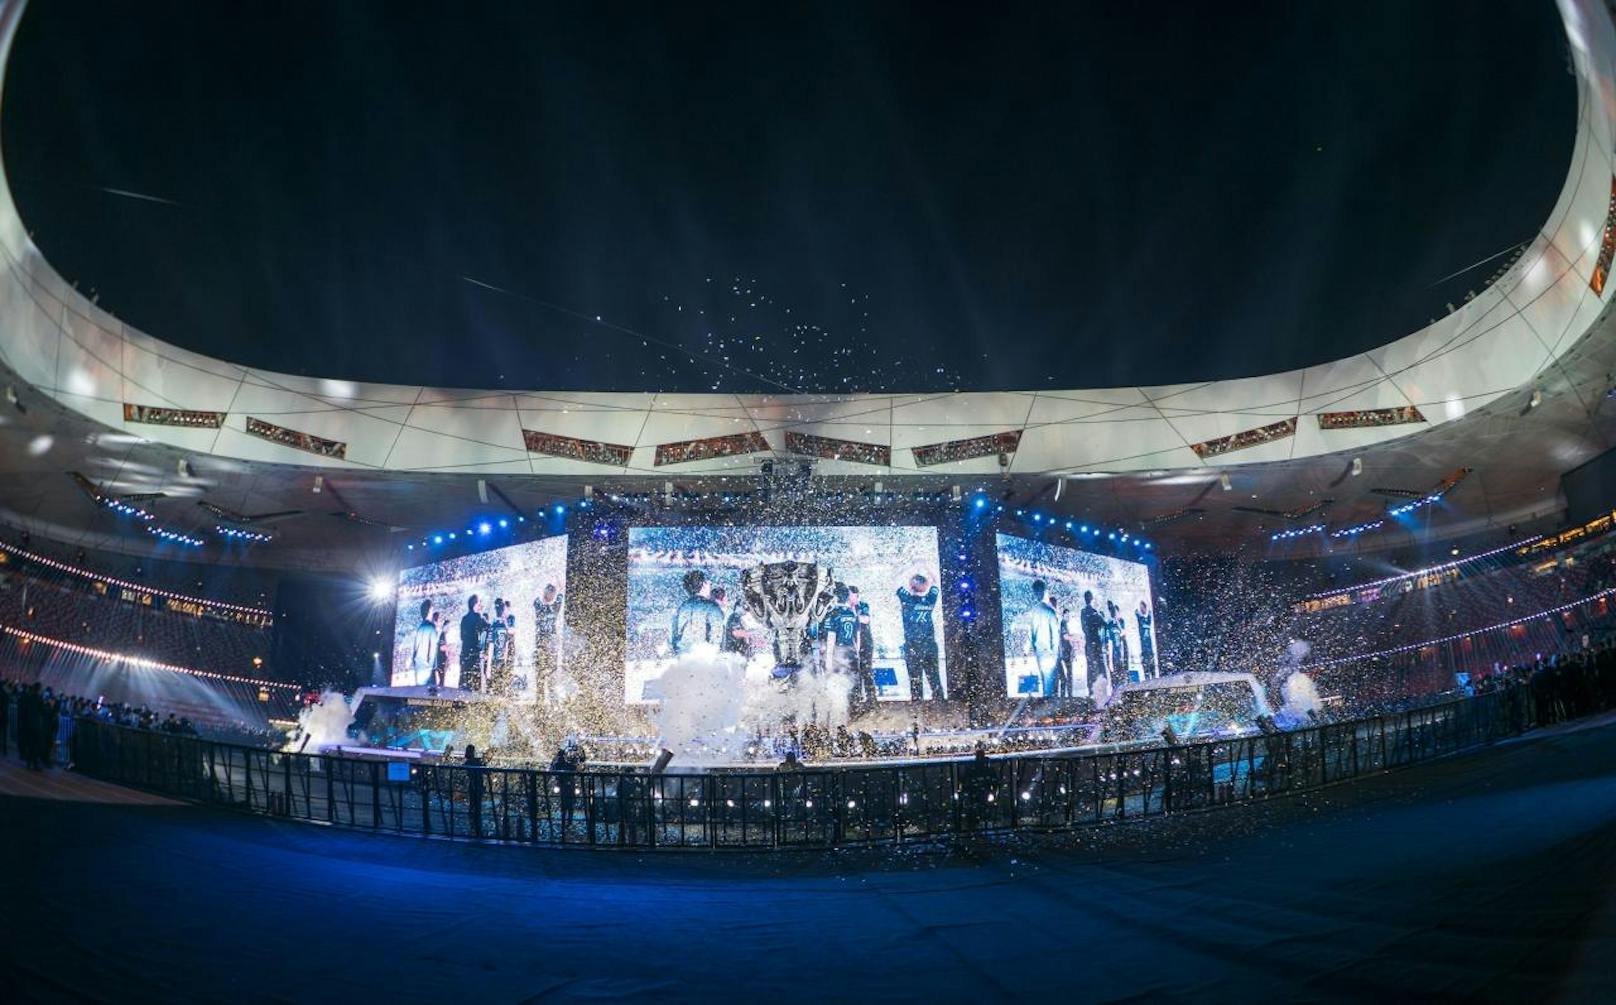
(1490, 876)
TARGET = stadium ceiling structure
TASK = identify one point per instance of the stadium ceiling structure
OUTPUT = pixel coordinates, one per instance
(1521, 368)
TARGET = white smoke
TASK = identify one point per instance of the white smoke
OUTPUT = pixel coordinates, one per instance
(1300, 697)
(322, 724)
(714, 703)
(700, 713)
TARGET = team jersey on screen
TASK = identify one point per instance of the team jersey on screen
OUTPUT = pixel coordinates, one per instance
(425, 647)
(698, 621)
(841, 626)
(917, 615)
(1043, 628)
(544, 617)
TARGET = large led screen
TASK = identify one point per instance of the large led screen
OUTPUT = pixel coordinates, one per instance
(1076, 624)
(438, 639)
(684, 593)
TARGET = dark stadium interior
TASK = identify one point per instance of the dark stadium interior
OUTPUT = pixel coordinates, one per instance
(917, 503)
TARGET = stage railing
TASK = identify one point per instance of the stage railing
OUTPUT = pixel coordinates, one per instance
(811, 808)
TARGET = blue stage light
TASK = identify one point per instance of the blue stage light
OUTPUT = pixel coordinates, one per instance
(980, 502)
(483, 528)
(560, 509)
(504, 522)
(451, 535)
(437, 539)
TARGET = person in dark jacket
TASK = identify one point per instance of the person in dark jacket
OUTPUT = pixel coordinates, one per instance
(1093, 624)
(917, 603)
(473, 634)
(564, 766)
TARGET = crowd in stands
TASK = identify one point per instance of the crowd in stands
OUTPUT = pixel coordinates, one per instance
(41, 722)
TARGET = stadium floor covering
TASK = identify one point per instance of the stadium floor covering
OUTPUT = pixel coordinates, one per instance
(1488, 876)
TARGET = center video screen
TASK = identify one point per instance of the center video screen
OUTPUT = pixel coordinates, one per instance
(684, 591)
(1076, 624)
(512, 646)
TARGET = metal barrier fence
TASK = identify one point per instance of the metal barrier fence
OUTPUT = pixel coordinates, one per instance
(812, 808)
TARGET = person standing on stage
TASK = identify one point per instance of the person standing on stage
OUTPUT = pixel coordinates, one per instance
(473, 634)
(864, 691)
(1093, 625)
(424, 646)
(1143, 620)
(1043, 637)
(918, 604)
(698, 621)
(546, 638)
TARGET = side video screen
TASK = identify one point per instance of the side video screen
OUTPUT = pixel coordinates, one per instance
(1076, 624)
(508, 645)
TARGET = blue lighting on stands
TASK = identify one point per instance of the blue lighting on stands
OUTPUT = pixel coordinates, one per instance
(483, 528)
(504, 522)
(437, 538)
(559, 509)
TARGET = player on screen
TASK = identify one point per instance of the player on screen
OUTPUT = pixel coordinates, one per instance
(917, 603)
(1068, 655)
(1116, 637)
(546, 623)
(473, 633)
(737, 637)
(698, 621)
(841, 634)
(1093, 625)
(497, 680)
(1142, 620)
(864, 690)
(424, 646)
(1043, 636)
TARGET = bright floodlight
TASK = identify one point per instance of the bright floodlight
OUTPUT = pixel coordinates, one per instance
(381, 589)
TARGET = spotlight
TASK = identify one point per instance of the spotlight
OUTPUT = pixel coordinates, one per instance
(1537, 398)
(484, 527)
(1225, 481)
(504, 522)
(559, 509)
(1357, 466)
(381, 589)
(437, 538)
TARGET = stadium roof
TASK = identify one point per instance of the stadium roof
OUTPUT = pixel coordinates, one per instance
(1510, 385)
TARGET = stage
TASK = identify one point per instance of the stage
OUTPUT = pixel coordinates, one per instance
(1490, 875)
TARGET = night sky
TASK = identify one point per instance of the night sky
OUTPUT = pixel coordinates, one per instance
(829, 197)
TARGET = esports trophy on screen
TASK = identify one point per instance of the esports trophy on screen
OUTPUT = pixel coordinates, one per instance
(789, 599)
